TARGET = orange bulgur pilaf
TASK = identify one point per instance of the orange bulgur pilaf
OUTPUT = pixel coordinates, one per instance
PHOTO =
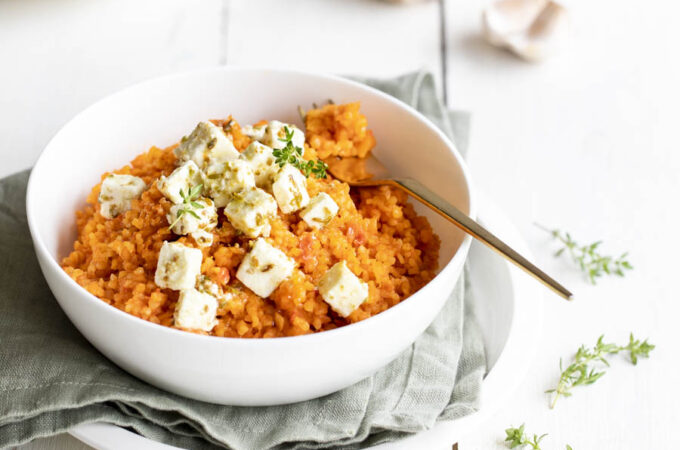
(376, 231)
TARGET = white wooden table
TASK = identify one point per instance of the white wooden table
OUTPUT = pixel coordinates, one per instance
(587, 141)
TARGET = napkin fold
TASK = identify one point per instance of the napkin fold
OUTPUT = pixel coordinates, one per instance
(52, 379)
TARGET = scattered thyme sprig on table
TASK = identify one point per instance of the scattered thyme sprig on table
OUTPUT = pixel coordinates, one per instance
(189, 203)
(582, 372)
(293, 155)
(515, 437)
(590, 261)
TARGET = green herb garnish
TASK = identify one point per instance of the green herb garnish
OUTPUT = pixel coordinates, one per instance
(292, 155)
(515, 437)
(189, 203)
(582, 372)
(589, 260)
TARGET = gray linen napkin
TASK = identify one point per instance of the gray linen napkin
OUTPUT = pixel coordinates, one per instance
(52, 379)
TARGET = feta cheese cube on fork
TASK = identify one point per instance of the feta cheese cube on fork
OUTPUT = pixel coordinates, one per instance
(342, 290)
(196, 310)
(290, 189)
(178, 266)
(250, 212)
(320, 211)
(264, 268)
(181, 179)
(117, 192)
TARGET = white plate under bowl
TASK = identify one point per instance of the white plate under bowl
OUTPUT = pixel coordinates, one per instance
(509, 309)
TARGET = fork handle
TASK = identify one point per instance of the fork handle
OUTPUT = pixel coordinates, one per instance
(465, 223)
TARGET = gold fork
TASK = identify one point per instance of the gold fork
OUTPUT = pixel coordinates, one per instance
(370, 172)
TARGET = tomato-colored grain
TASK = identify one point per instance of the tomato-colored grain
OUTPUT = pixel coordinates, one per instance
(376, 232)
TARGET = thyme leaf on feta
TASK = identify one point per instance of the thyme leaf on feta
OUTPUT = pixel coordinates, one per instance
(582, 371)
(292, 155)
(588, 258)
(189, 204)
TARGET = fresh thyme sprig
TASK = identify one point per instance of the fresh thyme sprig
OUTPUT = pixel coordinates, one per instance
(588, 258)
(515, 437)
(189, 203)
(291, 154)
(582, 372)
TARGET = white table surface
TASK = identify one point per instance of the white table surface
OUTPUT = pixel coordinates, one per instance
(587, 141)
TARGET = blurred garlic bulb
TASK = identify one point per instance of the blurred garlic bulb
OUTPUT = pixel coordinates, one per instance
(532, 29)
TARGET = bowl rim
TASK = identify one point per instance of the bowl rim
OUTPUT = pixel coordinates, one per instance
(41, 248)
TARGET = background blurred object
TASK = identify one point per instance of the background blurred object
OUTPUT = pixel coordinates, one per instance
(532, 29)
(405, 2)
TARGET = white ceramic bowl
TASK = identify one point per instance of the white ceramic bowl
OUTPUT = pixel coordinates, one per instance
(110, 133)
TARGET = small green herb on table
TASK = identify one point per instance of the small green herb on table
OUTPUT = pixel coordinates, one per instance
(582, 371)
(588, 257)
(517, 438)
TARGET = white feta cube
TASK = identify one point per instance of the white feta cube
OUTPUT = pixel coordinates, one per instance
(264, 268)
(208, 286)
(197, 219)
(203, 237)
(320, 211)
(196, 310)
(254, 132)
(117, 192)
(290, 189)
(342, 290)
(207, 143)
(275, 135)
(225, 179)
(250, 212)
(262, 161)
(180, 181)
(178, 266)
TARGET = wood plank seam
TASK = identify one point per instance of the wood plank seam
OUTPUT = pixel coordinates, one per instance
(443, 50)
